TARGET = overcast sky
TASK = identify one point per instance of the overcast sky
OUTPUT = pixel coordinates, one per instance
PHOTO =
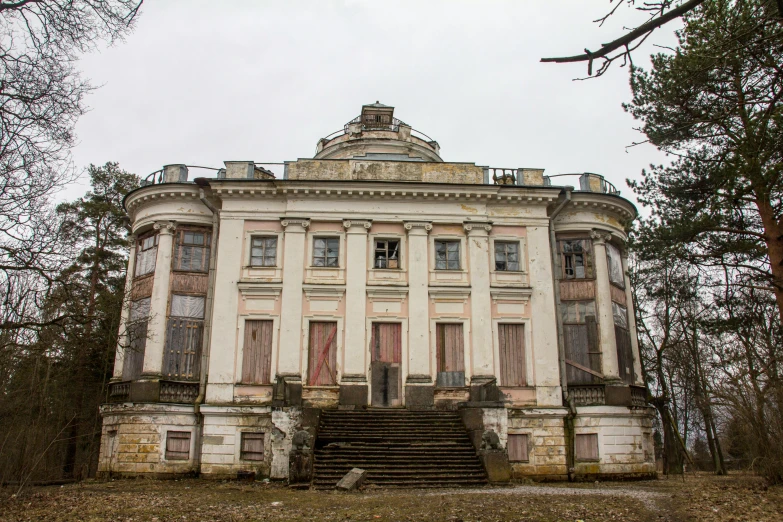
(202, 82)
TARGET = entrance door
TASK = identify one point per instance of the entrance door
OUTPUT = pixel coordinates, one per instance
(323, 354)
(451, 355)
(386, 356)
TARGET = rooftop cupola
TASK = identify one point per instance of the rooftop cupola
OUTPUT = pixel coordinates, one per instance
(377, 135)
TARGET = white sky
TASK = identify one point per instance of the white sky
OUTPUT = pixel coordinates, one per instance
(201, 82)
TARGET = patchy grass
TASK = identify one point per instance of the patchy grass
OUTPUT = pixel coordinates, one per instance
(699, 497)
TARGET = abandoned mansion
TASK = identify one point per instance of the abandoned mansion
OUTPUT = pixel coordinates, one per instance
(374, 306)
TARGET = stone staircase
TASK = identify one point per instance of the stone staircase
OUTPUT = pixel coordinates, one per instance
(397, 447)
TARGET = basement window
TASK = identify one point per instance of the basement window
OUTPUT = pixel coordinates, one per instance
(587, 447)
(252, 446)
(177, 445)
(517, 448)
(387, 253)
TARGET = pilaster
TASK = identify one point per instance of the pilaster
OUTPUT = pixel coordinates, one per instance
(289, 352)
(419, 370)
(355, 363)
(159, 300)
(603, 305)
(482, 363)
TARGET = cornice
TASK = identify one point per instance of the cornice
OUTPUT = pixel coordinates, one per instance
(596, 202)
(163, 192)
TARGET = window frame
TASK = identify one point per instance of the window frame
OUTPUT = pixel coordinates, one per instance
(253, 237)
(259, 435)
(448, 241)
(588, 261)
(179, 245)
(386, 239)
(327, 238)
(141, 248)
(594, 437)
(579, 320)
(506, 242)
(610, 264)
(169, 454)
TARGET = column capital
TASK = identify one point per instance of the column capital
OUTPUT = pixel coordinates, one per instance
(418, 226)
(302, 222)
(600, 237)
(477, 227)
(165, 227)
(357, 225)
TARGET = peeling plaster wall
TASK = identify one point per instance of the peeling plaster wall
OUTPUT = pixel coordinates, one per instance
(429, 172)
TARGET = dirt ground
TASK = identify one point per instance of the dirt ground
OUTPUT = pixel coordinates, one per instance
(698, 497)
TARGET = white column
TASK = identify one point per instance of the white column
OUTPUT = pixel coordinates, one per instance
(542, 317)
(225, 308)
(418, 303)
(159, 301)
(290, 346)
(355, 353)
(122, 340)
(482, 361)
(603, 304)
(637, 362)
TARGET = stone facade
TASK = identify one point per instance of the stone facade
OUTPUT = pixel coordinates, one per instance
(376, 274)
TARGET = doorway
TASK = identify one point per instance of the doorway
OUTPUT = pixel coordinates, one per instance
(386, 356)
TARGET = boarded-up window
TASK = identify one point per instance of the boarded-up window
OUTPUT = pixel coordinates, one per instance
(517, 448)
(187, 306)
(252, 446)
(146, 254)
(257, 352)
(511, 340)
(447, 255)
(263, 251)
(137, 339)
(387, 253)
(577, 258)
(580, 336)
(177, 445)
(386, 356)
(191, 250)
(323, 354)
(182, 356)
(450, 354)
(507, 256)
(615, 263)
(587, 446)
(623, 339)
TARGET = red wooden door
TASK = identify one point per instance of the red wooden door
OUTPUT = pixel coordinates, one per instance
(322, 367)
(386, 356)
(451, 355)
(511, 339)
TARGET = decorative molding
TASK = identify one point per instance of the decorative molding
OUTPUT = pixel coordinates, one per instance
(600, 237)
(303, 222)
(324, 292)
(365, 223)
(518, 295)
(165, 227)
(451, 294)
(414, 225)
(477, 226)
(256, 290)
(387, 293)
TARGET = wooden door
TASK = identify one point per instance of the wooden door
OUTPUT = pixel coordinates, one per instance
(257, 352)
(386, 356)
(182, 358)
(322, 367)
(583, 355)
(511, 339)
(624, 354)
(450, 355)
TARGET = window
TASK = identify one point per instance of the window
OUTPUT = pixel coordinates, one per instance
(614, 260)
(587, 446)
(620, 314)
(177, 445)
(146, 253)
(387, 253)
(263, 251)
(517, 448)
(507, 256)
(192, 251)
(184, 334)
(326, 251)
(575, 312)
(577, 259)
(252, 446)
(447, 255)
(137, 339)
(187, 306)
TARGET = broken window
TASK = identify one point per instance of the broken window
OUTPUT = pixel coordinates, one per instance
(177, 445)
(387, 253)
(326, 251)
(575, 312)
(507, 256)
(137, 339)
(447, 255)
(191, 252)
(586, 446)
(614, 260)
(252, 446)
(263, 251)
(577, 258)
(517, 448)
(146, 254)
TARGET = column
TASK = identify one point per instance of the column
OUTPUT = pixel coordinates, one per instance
(122, 340)
(482, 363)
(355, 356)
(159, 301)
(290, 347)
(419, 370)
(637, 364)
(225, 308)
(603, 305)
(543, 324)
